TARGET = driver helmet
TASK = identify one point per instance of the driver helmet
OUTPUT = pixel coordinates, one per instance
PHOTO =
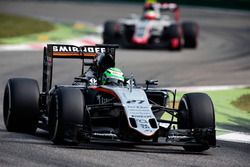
(104, 61)
(113, 76)
(150, 15)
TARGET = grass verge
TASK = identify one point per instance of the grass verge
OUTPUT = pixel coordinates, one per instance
(243, 102)
(32, 30)
(228, 115)
(230, 108)
(12, 26)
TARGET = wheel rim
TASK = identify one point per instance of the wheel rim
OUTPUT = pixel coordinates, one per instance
(53, 119)
(183, 114)
(6, 107)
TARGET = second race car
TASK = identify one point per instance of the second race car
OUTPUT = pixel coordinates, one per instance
(158, 27)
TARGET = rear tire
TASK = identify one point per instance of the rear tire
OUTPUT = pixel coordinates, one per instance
(66, 115)
(171, 37)
(126, 36)
(190, 34)
(196, 111)
(21, 105)
(109, 33)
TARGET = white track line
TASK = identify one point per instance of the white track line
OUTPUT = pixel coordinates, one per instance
(206, 88)
(238, 137)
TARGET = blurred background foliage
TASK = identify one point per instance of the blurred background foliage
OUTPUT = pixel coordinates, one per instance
(230, 4)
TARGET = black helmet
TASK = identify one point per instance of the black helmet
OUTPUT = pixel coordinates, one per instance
(104, 61)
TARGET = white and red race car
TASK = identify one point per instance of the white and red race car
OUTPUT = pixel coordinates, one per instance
(159, 27)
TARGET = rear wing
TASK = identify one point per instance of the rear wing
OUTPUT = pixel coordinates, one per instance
(79, 52)
(163, 7)
(86, 53)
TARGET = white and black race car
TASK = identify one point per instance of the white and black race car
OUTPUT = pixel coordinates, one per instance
(159, 27)
(82, 112)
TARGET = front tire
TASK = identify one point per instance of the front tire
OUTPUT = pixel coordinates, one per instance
(66, 115)
(21, 105)
(196, 111)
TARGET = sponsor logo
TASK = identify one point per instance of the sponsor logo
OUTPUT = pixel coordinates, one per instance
(93, 82)
(85, 49)
(65, 49)
(141, 120)
(144, 126)
(89, 49)
(102, 100)
(135, 101)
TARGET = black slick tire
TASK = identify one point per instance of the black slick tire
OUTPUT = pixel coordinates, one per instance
(196, 111)
(109, 34)
(190, 34)
(173, 32)
(21, 105)
(66, 115)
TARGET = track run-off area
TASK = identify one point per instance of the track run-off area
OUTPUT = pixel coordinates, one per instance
(221, 60)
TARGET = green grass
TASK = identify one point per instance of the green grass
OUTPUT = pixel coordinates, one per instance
(230, 4)
(243, 102)
(12, 26)
(61, 32)
(227, 114)
(32, 31)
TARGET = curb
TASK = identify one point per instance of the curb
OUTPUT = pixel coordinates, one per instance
(86, 40)
(206, 88)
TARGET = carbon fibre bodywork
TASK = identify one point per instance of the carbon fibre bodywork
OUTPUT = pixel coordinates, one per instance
(126, 113)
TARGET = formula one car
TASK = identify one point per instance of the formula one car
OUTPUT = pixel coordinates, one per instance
(126, 113)
(159, 27)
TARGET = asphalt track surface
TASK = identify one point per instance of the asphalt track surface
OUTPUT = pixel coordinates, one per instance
(222, 58)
